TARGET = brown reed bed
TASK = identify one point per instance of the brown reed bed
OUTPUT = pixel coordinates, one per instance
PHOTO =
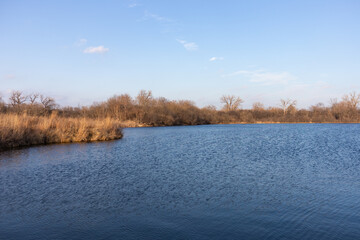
(23, 130)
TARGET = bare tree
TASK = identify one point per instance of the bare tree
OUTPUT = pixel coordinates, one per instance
(144, 100)
(33, 97)
(119, 106)
(352, 100)
(17, 98)
(231, 102)
(48, 103)
(333, 101)
(144, 97)
(210, 108)
(318, 107)
(286, 104)
(258, 106)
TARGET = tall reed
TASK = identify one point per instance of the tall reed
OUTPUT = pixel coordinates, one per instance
(24, 130)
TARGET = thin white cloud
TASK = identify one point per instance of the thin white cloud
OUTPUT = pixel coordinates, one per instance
(264, 77)
(81, 42)
(216, 59)
(149, 15)
(132, 5)
(99, 49)
(190, 46)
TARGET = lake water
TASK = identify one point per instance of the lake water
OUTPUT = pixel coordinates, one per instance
(286, 181)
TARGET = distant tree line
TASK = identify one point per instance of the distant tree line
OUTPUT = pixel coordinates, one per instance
(145, 109)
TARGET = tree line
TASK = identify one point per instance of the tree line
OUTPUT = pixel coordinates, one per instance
(145, 109)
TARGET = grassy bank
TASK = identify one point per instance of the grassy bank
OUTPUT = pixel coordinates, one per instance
(23, 130)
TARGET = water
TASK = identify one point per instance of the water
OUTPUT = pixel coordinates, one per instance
(202, 182)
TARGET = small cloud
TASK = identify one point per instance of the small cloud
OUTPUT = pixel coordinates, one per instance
(216, 58)
(132, 5)
(9, 76)
(190, 46)
(99, 49)
(264, 77)
(81, 42)
(149, 15)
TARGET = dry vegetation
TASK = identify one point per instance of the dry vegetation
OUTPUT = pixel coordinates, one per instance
(24, 130)
(37, 119)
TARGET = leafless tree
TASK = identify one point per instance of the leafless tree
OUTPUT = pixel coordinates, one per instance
(33, 97)
(210, 108)
(286, 104)
(317, 107)
(352, 100)
(119, 106)
(333, 101)
(231, 102)
(17, 98)
(258, 106)
(48, 103)
(144, 98)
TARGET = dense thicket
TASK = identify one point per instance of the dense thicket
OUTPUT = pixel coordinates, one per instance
(147, 110)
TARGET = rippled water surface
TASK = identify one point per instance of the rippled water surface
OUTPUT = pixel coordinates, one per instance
(200, 182)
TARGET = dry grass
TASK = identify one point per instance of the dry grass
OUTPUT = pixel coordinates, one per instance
(133, 124)
(18, 131)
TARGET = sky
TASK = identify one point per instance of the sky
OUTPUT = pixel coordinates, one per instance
(80, 52)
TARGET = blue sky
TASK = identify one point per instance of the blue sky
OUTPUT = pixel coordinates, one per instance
(86, 51)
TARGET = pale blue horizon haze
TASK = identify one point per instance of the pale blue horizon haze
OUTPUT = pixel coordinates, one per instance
(81, 52)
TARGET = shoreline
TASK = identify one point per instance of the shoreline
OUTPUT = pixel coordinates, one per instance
(239, 123)
(20, 143)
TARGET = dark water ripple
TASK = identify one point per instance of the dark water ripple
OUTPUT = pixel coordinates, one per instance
(217, 182)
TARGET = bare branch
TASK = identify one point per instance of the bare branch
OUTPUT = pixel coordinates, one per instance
(32, 97)
(17, 98)
(48, 103)
(352, 100)
(144, 97)
(286, 104)
(231, 103)
(258, 106)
